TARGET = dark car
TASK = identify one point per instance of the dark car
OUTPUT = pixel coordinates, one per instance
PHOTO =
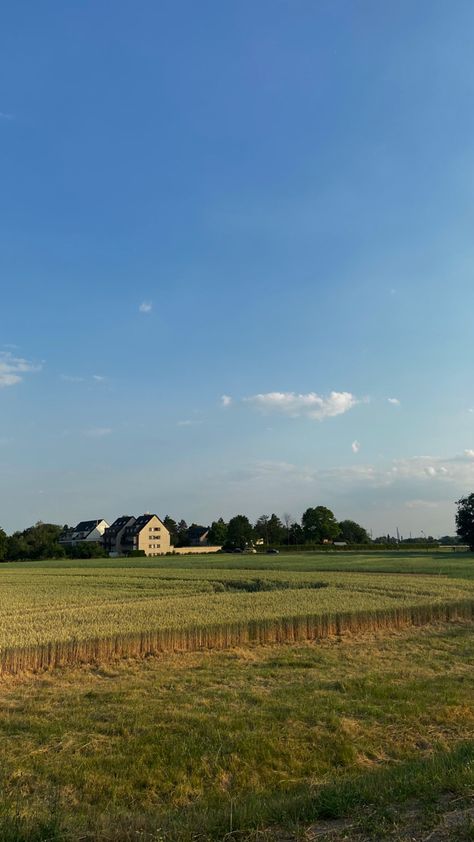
(273, 552)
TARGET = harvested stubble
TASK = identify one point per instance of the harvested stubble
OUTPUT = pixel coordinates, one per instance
(52, 618)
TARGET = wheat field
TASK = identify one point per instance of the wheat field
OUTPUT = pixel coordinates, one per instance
(54, 616)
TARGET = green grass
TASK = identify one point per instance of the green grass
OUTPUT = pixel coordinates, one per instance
(239, 744)
(454, 564)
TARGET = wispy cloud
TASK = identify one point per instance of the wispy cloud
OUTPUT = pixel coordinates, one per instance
(226, 400)
(469, 452)
(145, 307)
(355, 446)
(98, 432)
(13, 368)
(394, 401)
(4, 115)
(71, 378)
(309, 405)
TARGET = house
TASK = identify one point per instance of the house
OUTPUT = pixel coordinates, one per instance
(112, 538)
(86, 530)
(198, 536)
(147, 533)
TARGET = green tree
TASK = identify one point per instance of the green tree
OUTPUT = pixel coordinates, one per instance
(296, 534)
(3, 543)
(319, 524)
(218, 533)
(261, 528)
(239, 532)
(86, 549)
(182, 538)
(352, 532)
(465, 520)
(276, 530)
(172, 528)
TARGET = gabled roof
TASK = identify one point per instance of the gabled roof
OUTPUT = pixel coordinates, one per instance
(88, 525)
(119, 524)
(140, 522)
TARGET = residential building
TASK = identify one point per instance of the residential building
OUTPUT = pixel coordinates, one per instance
(147, 533)
(112, 538)
(86, 530)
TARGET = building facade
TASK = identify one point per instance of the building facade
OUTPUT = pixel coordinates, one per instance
(148, 534)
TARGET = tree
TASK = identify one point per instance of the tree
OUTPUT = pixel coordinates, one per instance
(182, 536)
(261, 528)
(352, 532)
(172, 528)
(218, 533)
(239, 532)
(319, 524)
(3, 543)
(465, 520)
(86, 549)
(275, 530)
(296, 534)
(287, 520)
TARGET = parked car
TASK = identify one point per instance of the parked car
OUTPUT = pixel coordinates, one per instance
(272, 551)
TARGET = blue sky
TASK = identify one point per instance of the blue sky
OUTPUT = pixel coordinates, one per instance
(268, 201)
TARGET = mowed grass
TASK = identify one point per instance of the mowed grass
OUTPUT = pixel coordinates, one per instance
(62, 612)
(249, 744)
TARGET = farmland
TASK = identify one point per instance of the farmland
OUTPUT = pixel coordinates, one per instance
(354, 713)
(58, 613)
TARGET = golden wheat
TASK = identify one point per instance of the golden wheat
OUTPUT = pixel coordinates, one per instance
(51, 617)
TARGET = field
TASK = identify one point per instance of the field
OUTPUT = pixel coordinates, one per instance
(58, 614)
(294, 697)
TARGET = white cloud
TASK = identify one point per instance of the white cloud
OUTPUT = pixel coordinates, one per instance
(97, 432)
(310, 405)
(145, 307)
(13, 368)
(226, 400)
(469, 452)
(355, 446)
(4, 115)
(422, 504)
(394, 401)
(98, 378)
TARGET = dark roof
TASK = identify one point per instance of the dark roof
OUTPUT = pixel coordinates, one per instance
(140, 522)
(118, 524)
(87, 525)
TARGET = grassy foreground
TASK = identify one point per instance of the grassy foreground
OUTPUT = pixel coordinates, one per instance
(250, 744)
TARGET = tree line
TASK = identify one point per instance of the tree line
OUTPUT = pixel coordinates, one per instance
(318, 525)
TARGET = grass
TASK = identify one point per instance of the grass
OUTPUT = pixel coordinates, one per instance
(352, 715)
(58, 613)
(237, 745)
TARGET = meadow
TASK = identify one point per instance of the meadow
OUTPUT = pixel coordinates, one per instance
(273, 699)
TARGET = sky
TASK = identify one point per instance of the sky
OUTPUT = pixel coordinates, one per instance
(236, 260)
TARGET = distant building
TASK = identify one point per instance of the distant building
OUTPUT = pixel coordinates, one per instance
(86, 530)
(147, 533)
(112, 538)
(198, 536)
